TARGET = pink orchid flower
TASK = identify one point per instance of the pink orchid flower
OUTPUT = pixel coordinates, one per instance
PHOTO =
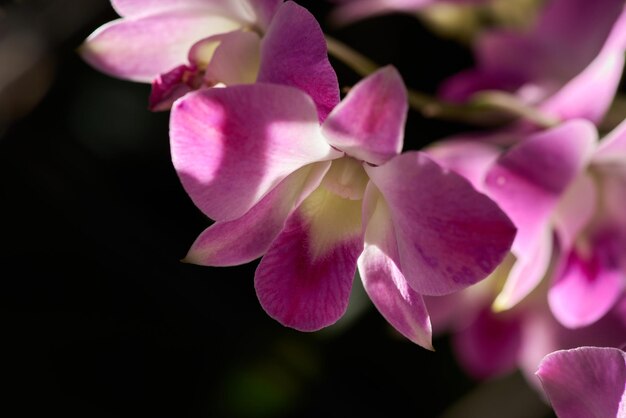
(565, 194)
(352, 10)
(184, 45)
(568, 64)
(586, 382)
(316, 201)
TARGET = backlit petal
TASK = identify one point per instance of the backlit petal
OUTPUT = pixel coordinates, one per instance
(231, 146)
(141, 49)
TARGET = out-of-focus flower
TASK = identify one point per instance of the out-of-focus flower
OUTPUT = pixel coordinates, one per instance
(585, 382)
(315, 201)
(180, 46)
(565, 195)
(351, 10)
(568, 64)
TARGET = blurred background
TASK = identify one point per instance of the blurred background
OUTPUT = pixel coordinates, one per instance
(101, 319)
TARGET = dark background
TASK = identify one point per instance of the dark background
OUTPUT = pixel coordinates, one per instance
(101, 319)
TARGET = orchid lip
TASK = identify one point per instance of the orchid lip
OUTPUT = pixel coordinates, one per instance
(346, 178)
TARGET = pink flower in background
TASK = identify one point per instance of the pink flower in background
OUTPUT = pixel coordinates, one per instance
(585, 382)
(569, 63)
(316, 201)
(565, 195)
(180, 46)
(351, 10)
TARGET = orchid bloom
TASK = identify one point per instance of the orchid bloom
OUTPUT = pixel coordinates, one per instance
(565, 194)
(184, 45)
(586, 382)
(352, 10)
(316, 201)
(568, 65)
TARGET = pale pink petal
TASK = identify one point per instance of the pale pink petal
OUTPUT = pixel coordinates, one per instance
(242, 240)
(305, 278)
(490, 345)
(231, 146)
(254, 12)
(449, 236)
(383, 280)
(586, 289)
(527, 272)
(141, 49)
(136, 8)
(235, 60)
(612, 148)
(575, 210)
(586, 382)
(528, 181)
(469, 158)
(369, 123)
(293, 53)
(590, 93)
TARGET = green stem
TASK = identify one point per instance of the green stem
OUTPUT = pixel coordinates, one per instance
(488, 108)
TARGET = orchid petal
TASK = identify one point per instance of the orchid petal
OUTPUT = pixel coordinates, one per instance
(137, 8)
(383, 280)
(590, 93)
(575, 210)
(231, 146)
(235, 60)
(586, 290)
(369, 123)
(305, 278)
(612, 148)
(449, 236)
(141, 49)
(293, 53)
(490, 345)
(242, 240)
(527, 182)
(586, 382)
(470, 159)
(169, 87)
(527, 272)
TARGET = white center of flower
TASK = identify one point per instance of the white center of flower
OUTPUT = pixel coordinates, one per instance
(346, 178)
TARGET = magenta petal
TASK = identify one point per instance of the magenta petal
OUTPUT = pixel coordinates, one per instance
(169, 87)
(586, 289)
(468, 158)
(305, 278)
(590, 93)
(293, 53)
(449, 235)
(242, 240)
(575, 210)
(141, 49)
(231, 146)
(369, 123)
(490, 345)
(385, 284)
(528, 181)
(586, 382)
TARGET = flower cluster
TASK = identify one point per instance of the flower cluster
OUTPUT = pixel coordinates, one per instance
(320, 188)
